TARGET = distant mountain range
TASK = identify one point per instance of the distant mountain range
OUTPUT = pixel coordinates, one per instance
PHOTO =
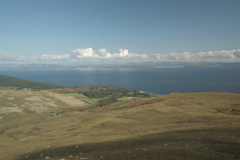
(122, 65)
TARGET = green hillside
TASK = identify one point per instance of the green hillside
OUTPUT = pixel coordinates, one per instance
(22, 83)
(101, 96)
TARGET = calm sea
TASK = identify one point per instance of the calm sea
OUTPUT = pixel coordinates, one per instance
(155, 80)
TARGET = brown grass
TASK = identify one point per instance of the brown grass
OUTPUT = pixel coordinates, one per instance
(183, 125)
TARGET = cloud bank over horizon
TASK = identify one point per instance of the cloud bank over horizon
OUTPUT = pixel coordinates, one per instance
(89, 55)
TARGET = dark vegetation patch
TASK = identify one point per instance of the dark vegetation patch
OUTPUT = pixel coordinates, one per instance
(106, 95)
(233, 111)
(172, 145)
(26, 84)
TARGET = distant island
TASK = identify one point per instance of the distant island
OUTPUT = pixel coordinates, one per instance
(116, 66)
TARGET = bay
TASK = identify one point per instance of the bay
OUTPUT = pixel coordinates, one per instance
(154, 80)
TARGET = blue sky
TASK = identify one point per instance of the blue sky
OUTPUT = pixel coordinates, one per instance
(119, 30)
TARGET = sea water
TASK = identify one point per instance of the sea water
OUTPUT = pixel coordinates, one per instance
(154, 80)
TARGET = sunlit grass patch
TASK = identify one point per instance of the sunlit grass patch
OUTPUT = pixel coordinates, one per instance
(7, 88)
(102, 96)
(122, 99)
(84, 98)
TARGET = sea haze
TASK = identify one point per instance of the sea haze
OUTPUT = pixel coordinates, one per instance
(155, 80)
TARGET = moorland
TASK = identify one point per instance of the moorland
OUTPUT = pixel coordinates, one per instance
(113, 123)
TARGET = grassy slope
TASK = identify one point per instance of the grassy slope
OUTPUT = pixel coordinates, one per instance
(22, 83)
(95, 95)
(212, 117)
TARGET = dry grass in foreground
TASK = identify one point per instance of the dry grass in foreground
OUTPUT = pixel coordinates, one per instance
(175, 126)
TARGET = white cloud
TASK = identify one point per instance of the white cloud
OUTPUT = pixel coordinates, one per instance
(102, 55)
(85, 53)
(10, 56)
(123, 53)
(237, 53)
(47, 57)
(208, 56)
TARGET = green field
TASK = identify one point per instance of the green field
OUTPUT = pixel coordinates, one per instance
(101, 96)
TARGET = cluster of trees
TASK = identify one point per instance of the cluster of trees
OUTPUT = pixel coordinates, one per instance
(100, 92)
(110, 95)
(136, 93)
(96, 94)
(120, 92)
(109, 100)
